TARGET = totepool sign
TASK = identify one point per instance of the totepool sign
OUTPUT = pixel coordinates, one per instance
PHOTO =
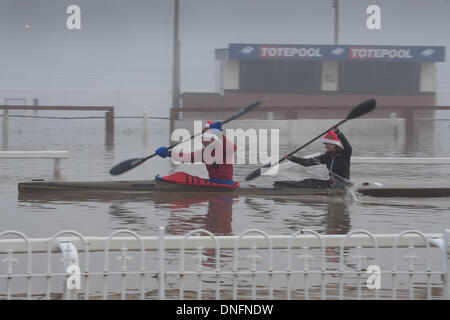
(245, 51)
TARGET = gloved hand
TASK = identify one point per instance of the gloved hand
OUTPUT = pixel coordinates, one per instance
(215, 125)
(162, 152)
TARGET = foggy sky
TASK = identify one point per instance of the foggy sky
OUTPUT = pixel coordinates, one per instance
(126, 44)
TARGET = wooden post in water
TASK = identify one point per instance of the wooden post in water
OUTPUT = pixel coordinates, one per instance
(145, 130)
(57, 168)
(145, 123)
(109, 128)
(409, 131)
(447, 251)
(5, 129)
(173, 117)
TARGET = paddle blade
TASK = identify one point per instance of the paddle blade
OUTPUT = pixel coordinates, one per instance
(126, 165)
(362, 109)
(254, 174)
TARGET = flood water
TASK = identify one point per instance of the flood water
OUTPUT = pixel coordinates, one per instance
(89, 159)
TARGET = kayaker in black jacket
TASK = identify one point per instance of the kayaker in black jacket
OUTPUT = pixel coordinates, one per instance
(336, 158)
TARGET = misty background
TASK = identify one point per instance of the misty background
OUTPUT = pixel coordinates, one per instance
(122, 55)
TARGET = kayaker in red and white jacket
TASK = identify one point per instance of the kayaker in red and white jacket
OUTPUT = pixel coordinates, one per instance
(220, 165)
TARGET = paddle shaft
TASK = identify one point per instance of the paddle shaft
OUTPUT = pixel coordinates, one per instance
(233, 117)
(318, 136)
(127, 165)
(361, 109)
(173, 145)
(309, 142)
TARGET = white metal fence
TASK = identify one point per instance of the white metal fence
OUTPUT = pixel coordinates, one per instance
(200, 265)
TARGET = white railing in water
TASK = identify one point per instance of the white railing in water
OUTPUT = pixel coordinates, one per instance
(200, 265)
(55, 155)
(400, 160)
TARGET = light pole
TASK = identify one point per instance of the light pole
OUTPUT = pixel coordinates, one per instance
(336, 21)
(176, 57)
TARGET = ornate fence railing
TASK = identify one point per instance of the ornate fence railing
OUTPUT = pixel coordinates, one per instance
(200, 265)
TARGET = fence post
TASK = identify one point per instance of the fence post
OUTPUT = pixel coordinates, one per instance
(109, 126)
(145, 124)
(172, 120)
(410, 139)
(5, 128)
(57, 168)
(161, 258)
(145, 129)
(446, 240)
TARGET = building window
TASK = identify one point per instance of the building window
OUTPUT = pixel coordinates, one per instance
(280, 76)
(379, 77)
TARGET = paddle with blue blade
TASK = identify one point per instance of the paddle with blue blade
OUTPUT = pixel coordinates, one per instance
(129, 164)
(358, 111)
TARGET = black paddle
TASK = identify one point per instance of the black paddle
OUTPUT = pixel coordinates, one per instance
(129, 164)
(359, 110)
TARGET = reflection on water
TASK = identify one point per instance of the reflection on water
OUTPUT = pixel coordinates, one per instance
(186, 215)
(337, 219)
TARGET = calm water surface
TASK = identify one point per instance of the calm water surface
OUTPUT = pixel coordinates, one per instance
(89, 159)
